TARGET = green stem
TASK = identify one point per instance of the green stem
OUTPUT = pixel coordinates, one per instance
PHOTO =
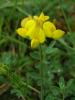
(42, 74)
(23, 98)
(63, 96)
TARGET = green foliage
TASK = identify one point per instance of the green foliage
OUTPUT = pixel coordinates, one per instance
(26, 69)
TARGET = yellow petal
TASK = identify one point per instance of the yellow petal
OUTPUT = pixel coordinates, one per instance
(41, 36)
(42, 17)
(30, 24)
(36, 17)
(22, 32)
(57, 34)
(24, 21)
(49, 28)
(38, 34)
(34, 43)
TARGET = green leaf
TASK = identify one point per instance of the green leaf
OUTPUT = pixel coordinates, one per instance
(50, 97)
(51, 50)
(35, 55)
(69, 83)
(8, 58)
(62, 83)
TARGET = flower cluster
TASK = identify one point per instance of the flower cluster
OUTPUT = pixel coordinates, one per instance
(37, 28)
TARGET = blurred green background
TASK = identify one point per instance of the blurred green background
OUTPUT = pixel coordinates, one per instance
(16, 56)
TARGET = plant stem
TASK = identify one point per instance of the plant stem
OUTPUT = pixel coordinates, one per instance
(23, 98)
(41, 73)
(63, 96)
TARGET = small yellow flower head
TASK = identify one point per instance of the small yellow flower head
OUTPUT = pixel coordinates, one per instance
(37, 28)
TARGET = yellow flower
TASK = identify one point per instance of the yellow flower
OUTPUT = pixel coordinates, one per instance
(57, 34)
(37, 28)
(49, 28)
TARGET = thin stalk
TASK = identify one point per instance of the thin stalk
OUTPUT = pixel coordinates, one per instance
(23, 98)
(63, 97)
(41, 74)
